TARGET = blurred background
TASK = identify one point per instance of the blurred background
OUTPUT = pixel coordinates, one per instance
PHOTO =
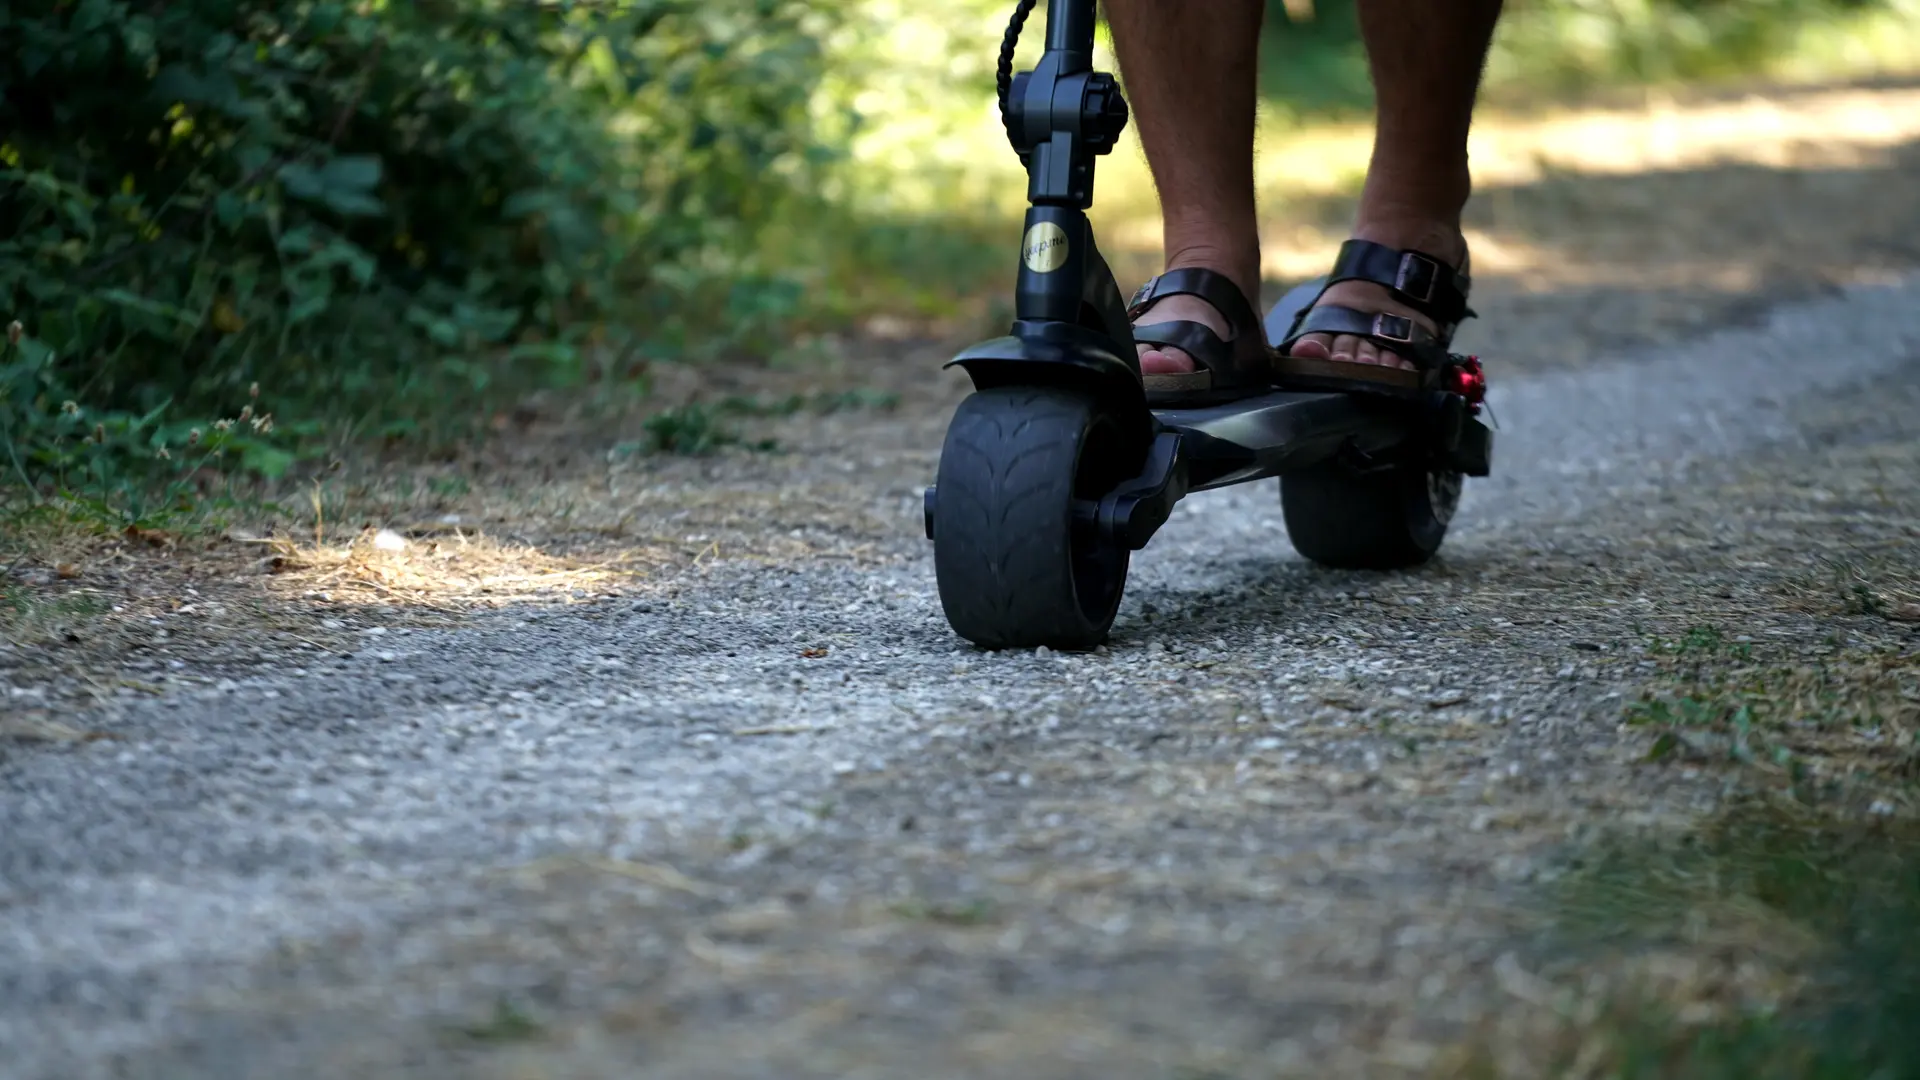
(394, 216)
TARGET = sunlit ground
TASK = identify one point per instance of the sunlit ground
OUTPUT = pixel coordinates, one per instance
(930, 155)
(449, 568)
(1298, 170)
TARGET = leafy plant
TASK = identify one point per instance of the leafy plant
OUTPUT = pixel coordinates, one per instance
(374, 209)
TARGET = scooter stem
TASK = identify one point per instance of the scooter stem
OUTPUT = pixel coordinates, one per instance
(1070, 28)
(1060, 117)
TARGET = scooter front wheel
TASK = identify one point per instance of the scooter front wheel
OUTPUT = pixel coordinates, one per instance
(1015, 554)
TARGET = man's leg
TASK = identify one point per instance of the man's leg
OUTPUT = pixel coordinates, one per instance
(1426, 57)
(1190, 69)
(1190, 76)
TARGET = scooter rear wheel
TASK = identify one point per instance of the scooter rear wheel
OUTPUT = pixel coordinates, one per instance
(1016, 566)
(1389, 518)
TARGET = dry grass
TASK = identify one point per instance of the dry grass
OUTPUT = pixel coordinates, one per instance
(1818, 716)
(1771, 940)
(449, 572)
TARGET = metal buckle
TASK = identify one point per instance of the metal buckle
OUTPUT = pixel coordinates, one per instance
(1413, 261)
(1383, 320)
(1139, 298)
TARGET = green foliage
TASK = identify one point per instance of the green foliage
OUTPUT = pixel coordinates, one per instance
(696, 429)
(391, 214)
(1571, 45)
(374, 208)
(1314, 65)
(691, 430)
(507, 1024)
(1851, 886)
(1717, 701)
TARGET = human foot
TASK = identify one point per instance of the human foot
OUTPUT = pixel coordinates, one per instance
(1202, 334)
(1430, 293)
(1157, 358)
(1167, 360)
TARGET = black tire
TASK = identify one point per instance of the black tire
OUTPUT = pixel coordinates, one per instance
(1012, 568)
(1389, 519)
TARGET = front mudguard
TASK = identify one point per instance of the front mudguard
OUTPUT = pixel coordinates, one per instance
(1066, 356)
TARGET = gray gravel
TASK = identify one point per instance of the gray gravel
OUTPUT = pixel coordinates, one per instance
(314, 873)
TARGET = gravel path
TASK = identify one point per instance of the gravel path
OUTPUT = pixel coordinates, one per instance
(1275, 829)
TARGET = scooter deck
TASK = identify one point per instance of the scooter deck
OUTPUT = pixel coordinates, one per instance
(1259, 437)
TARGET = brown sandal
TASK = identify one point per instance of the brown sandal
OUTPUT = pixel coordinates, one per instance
(1223, 369)
(1421, 282)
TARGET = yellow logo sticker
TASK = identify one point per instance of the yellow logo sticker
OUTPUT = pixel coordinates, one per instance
(1045, 249)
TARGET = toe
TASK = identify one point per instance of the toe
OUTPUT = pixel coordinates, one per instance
(1312, 347)
(1366, 352)
(1345, 348)
(1165, 362)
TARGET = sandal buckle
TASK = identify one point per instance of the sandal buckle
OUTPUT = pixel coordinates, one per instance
(1139, 298)
(1417, 272)
(1401, 332)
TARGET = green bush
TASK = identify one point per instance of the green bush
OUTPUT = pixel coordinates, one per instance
(389, 212)
(374, 207)
(1313, 64)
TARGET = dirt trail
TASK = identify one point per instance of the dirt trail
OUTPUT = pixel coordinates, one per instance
(768, 817)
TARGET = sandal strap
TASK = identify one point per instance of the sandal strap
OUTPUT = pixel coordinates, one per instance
(1216, 289)
(1233, 360)
(1418, 280)
(1396, 333)
(1195, 339)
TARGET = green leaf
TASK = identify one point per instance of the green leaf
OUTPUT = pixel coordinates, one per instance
(269, 461)
(301, 181)
(34, 353)
(308, 306)
(252, 157)
(153, 415)
(1663, 747)
(557, 353)
(353, 203)
(354, 172)
(325, 18)
(228, 208)
(158, 310)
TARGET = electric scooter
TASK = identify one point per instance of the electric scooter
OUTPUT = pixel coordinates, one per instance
(1058, 467)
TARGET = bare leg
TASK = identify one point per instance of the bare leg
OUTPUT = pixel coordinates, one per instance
(1190, 70)
(1426, 57)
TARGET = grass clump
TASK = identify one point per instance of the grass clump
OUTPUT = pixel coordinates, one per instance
(697, 428)
(1842, 713)
(507, 1024)
(1771, 943)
